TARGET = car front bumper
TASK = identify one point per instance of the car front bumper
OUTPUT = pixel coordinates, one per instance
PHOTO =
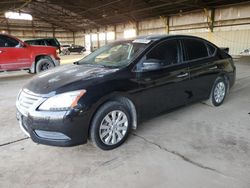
(64, 128)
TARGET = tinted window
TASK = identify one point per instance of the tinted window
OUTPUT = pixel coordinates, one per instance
(41, 42)
(33, 42)
(2, 42)
(52, 42)
(211, 49)
(166, 53)
(8, 42)
(195, 49)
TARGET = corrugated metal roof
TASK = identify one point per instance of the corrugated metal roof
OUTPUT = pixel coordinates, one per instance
(85, 14)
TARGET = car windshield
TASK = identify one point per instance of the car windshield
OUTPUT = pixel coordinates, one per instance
(117, 54)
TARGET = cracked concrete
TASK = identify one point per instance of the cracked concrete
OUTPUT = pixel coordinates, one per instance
(14, 141)
(178, 154)
(195, 146)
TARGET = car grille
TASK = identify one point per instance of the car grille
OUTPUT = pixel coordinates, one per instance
(25, 101)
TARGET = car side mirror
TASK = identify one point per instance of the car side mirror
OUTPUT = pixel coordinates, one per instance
(150, 65)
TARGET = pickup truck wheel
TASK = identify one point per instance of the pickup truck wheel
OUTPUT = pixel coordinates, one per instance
(44, 64)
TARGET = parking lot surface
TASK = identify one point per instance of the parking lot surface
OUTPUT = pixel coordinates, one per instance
(194, 146)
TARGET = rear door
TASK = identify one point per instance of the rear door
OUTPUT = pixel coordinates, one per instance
(166, 87)
(12, 54)
(203, 68)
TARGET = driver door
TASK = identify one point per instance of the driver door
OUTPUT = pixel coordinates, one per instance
(13, 55)
(166, 86)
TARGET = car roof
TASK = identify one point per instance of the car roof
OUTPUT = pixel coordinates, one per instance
(51, 38)
(164, 36)
(155, 38)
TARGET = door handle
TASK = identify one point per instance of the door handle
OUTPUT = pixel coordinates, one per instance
(2, 51)
(213, 68)
(181, 75)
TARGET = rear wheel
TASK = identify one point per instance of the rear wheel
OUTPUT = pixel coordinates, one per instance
(110, 126)
(44, 64)
(218, 93)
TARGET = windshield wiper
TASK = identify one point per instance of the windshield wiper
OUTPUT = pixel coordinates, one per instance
(89, 64)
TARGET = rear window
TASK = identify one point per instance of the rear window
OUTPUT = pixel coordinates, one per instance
(211, 49)
(45, 42)
(52, 42)
(195, 49)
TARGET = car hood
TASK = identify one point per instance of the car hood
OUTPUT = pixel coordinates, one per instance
(67, 77)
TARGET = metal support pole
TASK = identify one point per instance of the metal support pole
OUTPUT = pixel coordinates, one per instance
(166, 23)
(115, 32)
(98, 39)
(91, 42)
(210, 18)
(137, 28)
(106, 41)
(53, 32)
(74, 38)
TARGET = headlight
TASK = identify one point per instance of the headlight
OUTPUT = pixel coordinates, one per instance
(63, 101)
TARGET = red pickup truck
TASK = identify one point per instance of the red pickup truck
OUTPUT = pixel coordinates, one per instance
(18, 55)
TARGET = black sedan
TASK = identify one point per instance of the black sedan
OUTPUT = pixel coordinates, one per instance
(103, 96)
(76, 48)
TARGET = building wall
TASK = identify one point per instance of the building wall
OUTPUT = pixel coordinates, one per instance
(237, 38)
(231, 26)
(35, 29)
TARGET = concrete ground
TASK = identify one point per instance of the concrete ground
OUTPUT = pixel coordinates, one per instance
(195, 146)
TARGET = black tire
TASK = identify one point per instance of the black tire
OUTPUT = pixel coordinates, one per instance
(213, 99)
(99, 117)
(44, 64)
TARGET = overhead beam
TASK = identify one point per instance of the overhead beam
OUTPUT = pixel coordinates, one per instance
(98, 7)
(61, 11)
(142, 9)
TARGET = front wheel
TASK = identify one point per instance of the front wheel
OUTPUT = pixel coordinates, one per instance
(44, 64)
(218, 93)
(110, 126)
